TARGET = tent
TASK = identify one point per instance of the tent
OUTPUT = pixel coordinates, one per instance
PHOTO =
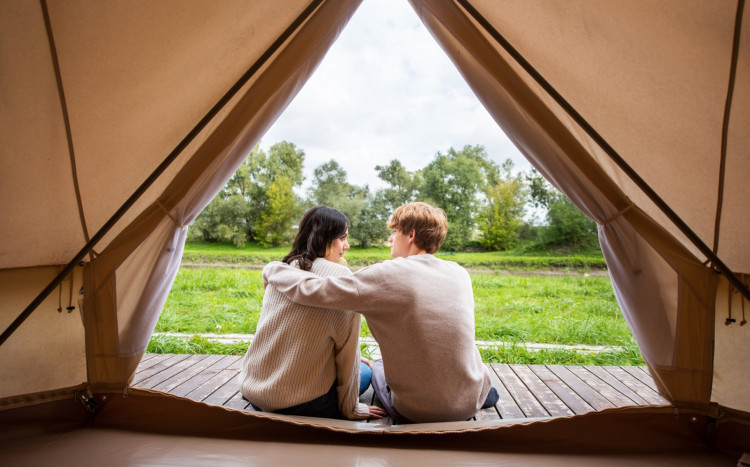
(122, 119)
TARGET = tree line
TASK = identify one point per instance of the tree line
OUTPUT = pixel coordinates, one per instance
(485, 203)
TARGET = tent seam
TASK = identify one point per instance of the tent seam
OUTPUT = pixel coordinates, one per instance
(725, 123)
(66, 116)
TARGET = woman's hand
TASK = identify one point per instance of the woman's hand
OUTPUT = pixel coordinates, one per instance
(366, 361)
(376, 412)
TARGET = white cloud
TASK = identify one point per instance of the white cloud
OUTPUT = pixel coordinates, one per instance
(385, 91)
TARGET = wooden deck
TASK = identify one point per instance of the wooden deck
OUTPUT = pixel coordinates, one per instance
(526, 391)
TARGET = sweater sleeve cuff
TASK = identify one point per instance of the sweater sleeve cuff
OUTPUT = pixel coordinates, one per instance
(362, 411)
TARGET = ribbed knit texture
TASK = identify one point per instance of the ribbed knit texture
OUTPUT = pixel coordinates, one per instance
(299, 351)
(421, 311)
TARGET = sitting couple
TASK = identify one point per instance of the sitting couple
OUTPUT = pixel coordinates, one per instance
(304, 359)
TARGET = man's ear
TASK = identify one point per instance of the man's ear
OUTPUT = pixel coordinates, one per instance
(412, 235)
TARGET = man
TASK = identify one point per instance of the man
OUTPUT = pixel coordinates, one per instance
(420, 309)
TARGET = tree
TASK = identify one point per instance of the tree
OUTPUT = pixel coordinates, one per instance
(236, 213)
(364, 210)
(452, 182)
(404, 185)
(566, 224)
(274, 225)
(501, 217)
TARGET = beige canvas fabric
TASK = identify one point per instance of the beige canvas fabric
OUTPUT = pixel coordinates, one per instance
(651, 78)
(661, 112)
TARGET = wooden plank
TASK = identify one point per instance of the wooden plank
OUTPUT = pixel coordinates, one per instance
(642, 375)
(607, 391)
(522, 395)
(621, 387)
(650, 396)
(146, 357)
(563, 391)
(236, 362)
(173, 371)
(160, 366)
(238, 402)
(201, 363)
(155, 359)
(197, 380)
(226, 390)
(552, 404)
(205, 390)
(489, 413)
(587, 393)
(506, 406)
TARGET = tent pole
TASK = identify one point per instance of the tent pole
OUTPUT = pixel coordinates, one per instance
(314, 4)
(624, 166)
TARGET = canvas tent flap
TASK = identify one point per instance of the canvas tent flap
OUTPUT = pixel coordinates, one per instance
(136, 77)
(96, 94)
(663, 289)
(125, 115)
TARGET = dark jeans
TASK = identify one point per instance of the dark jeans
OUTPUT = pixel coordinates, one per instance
(384, 394)
(325, 406)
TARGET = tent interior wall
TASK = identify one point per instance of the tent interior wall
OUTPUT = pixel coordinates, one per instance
(96, 95)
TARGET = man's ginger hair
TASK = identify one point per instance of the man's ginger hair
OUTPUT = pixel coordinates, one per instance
(430, 225)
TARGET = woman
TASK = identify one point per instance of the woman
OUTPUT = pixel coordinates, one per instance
(305, 360)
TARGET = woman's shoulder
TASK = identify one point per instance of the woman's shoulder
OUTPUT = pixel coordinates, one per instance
(323, 267)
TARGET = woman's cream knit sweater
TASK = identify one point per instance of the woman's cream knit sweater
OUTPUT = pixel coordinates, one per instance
(299, 351)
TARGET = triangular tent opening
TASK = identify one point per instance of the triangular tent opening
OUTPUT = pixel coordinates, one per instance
(95, 98)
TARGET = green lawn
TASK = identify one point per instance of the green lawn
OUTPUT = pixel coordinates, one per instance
(574, 310)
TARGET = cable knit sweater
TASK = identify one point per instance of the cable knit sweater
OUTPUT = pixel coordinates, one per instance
(421, 311)
(299, 351)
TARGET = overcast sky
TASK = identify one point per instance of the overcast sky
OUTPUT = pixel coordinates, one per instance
(385, 91)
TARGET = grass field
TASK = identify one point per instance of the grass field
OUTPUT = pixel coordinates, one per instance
(577, 309)
(252, 254)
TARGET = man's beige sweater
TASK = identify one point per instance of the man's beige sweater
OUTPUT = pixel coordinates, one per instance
(420, 309)
(299, 351)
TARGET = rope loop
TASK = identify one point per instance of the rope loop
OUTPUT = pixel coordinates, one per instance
(166, 211)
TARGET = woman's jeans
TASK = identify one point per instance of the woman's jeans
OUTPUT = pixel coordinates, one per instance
(327, 405)
(365, 375)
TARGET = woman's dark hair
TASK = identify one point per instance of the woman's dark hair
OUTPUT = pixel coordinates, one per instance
(319, 227)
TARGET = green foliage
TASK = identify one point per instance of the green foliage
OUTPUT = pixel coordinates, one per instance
(404, 185)
(274, 226)
(331, 188)
(262, 186)
(195, 345)
(223, 220)
(484, 203)
(517, 354)
(566, 224)
(452, 182)
(501, 217)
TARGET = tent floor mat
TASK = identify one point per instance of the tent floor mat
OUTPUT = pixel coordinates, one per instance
(96, 446)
